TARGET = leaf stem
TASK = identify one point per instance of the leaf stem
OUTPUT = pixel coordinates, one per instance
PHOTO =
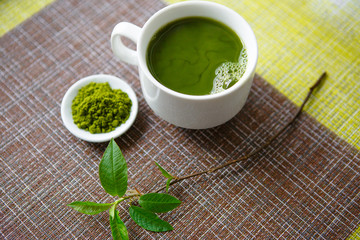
(264, 145)
(126, 197)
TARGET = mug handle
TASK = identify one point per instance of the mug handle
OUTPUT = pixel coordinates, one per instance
(129, 31)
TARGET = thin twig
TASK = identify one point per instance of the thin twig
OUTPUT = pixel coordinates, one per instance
(267, 143)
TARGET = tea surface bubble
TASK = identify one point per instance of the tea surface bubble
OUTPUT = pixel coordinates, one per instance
(229, 73)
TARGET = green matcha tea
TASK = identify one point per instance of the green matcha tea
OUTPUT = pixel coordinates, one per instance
(196, 56)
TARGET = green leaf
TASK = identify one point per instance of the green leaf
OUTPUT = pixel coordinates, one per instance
(113, 170)
(112, 211)
(167, 175)
(164, 172)
(149, 220)
(168, 184)
(118, 228)
(159, 202)
(90, 208)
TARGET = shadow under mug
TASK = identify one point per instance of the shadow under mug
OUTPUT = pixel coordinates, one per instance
(187, 111)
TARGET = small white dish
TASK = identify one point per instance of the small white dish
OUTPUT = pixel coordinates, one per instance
(115, 83)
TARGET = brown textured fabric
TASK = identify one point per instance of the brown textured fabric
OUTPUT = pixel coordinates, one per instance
(305, 185)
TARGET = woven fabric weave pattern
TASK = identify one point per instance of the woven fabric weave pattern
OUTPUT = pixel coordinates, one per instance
(304, 186)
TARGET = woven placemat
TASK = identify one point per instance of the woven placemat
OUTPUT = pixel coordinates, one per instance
(14, 12)
(305, 185)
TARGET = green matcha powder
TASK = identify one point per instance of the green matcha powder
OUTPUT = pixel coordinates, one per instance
(98, 108)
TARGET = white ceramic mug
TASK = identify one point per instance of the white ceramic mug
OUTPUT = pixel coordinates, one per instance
(188, 111)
